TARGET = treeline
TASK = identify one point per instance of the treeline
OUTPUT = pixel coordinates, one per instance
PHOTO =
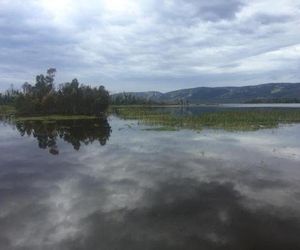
(8, 97)
(130, 99)
(68, 98)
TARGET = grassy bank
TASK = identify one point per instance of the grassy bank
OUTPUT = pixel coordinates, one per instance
(228, 120)
(54, 118)
(10, 111)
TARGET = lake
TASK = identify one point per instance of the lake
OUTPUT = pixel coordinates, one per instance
(115, 184)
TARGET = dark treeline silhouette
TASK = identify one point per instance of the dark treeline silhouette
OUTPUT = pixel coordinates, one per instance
(75, 132)
(130, 99)
(9, 96)
(68, 98)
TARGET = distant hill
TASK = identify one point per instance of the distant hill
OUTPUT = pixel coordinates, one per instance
(257, 93)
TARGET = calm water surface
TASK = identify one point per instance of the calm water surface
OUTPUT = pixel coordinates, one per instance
(114, 185)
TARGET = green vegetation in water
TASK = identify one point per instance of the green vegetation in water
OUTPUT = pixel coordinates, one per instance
(228, 120)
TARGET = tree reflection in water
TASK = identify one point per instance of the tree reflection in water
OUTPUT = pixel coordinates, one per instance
(75, 132)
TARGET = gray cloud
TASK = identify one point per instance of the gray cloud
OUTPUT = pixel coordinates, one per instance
(267, 19)
(150, 44)
(217, 10)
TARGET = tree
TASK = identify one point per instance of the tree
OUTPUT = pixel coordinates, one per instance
(69, 98)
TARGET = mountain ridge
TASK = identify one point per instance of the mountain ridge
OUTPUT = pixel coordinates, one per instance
(227, 94)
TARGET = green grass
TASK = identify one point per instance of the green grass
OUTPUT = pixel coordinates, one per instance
(228, 120)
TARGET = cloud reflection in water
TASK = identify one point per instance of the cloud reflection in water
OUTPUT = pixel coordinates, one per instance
(151, 190)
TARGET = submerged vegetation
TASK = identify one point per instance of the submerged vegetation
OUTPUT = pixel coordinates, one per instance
(228, 120)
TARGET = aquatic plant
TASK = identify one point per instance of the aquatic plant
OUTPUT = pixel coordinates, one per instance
(228, 120)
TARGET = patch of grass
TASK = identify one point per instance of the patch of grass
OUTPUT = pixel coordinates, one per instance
(228, 120)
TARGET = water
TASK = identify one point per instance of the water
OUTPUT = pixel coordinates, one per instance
(114, 185)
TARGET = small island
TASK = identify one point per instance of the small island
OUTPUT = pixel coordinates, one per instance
(67, 100)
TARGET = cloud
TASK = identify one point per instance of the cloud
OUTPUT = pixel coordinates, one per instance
(216, 10)
(150, 44)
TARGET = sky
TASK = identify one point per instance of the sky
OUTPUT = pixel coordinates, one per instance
(141, 45)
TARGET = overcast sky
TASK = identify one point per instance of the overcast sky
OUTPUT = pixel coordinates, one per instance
(138, 45)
